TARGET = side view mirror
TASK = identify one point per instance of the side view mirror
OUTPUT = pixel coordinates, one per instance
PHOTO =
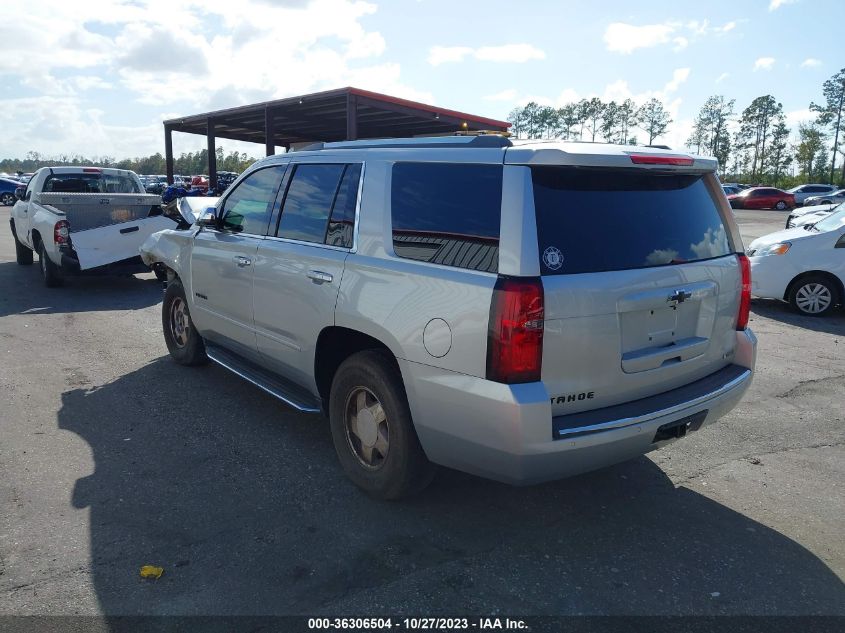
(208, 219)
(19, 191)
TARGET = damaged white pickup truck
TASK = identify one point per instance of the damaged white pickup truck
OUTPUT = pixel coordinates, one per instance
(84, 220)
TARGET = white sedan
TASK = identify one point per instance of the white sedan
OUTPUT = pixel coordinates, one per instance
(806, 215)
(804, 265)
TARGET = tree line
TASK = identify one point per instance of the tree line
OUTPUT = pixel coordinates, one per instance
(187, 163)
(754, 145)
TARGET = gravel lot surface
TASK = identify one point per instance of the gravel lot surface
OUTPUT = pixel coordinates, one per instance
(113, 457)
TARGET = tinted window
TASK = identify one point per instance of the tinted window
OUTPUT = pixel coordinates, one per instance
(92, 182)
(309, 201)
(592, 220)
(447, 213)
(342, 220)
(247, 209)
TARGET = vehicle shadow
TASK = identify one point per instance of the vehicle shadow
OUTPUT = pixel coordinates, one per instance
(24, 291)
(781, 311)
(245, 507)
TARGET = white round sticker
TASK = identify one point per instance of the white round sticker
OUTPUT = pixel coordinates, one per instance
(552, 258)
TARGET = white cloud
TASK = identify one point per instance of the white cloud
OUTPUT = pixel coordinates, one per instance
(73, 49)
(764, 63)
(722, 77)
(776, 4)
(514, 53)
(517, 53)
(678, 77)
(445, 54)
(626, 38)
(811, 62)
(795, 117)
(620, 37)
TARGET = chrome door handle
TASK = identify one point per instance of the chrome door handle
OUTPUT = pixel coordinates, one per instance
(242, 261)
(319, 276)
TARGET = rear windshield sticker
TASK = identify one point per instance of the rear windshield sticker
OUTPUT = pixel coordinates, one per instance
(552, 258)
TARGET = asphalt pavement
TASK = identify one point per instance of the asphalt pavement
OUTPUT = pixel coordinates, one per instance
(113, 457)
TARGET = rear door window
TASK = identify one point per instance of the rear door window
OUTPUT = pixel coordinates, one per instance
(594, 220)
(447, 213)
(320, 204)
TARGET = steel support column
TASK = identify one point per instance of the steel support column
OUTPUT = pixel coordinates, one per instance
(212, 155)
(351, 117)
(269, 133)
(168, 153)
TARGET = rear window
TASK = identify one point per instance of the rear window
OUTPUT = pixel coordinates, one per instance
(593, 220)
(447, 213)
(91, 183)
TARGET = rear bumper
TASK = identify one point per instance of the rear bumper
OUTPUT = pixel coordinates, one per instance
(507, 432)
(70, 266)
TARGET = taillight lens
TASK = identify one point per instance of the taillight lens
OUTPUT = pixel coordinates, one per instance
(661, 159)
(61, 233)
(515, 337)
(745, 293)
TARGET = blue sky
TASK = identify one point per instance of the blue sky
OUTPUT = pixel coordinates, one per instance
(97, 78)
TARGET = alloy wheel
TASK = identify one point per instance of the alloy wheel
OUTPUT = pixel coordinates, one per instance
(813, 298)
(367, 429)
(180, 322)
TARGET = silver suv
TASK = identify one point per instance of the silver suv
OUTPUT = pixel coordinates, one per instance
(523, 312)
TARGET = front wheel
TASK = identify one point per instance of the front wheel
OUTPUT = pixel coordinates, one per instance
(183, 341)
(813, 296)
(7, 199)
(372, 429)
(50, 273)
(781, 205)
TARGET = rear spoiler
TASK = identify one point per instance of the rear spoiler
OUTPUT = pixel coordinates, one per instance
(591, 156)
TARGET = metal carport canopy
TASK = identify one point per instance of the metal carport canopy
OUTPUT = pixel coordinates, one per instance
(333, 115)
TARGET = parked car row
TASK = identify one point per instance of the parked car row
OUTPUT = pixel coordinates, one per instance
(746, 197)
(158, 183)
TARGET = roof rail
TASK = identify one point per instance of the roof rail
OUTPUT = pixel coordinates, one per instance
(480, 141)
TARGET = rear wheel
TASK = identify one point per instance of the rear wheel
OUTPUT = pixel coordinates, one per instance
(51, 273)
(814, 296)
(372, 429)
(781, 205)
(183, 341)
(7, 199)
(23, 254)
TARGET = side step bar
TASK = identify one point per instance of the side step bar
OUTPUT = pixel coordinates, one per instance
(275, 385)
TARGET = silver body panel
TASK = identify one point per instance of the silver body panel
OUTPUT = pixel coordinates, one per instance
(612, 334)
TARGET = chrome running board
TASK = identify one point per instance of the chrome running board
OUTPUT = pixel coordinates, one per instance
(289, 393)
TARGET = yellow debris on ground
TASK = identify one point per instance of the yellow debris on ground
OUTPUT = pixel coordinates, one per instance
(151, 571)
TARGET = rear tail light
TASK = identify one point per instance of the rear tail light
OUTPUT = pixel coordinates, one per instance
(61, 233)
(515, 336)
(745, 293)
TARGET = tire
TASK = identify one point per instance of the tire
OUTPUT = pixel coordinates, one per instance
(23, 254)
(384, 459)
(814, 295)
(7, 199)
(781, 205)
(50, 273)
(183, 341)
